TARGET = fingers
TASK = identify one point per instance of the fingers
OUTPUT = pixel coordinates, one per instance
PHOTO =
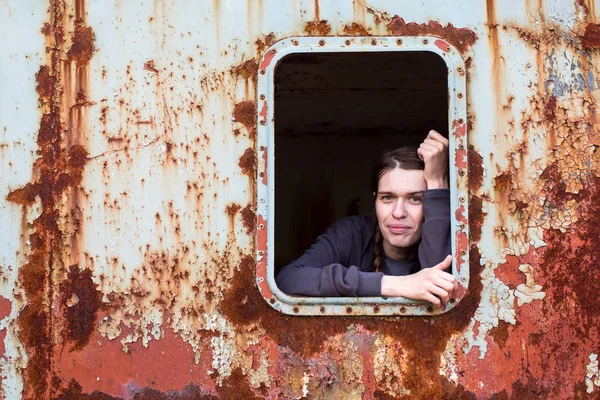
(434, 135)
(444, 264)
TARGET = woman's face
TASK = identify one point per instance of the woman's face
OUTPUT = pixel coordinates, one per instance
(399, 210)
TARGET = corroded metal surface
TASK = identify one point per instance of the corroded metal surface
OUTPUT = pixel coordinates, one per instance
(128, 177)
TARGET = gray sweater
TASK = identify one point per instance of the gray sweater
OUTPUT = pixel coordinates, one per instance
(340, 262)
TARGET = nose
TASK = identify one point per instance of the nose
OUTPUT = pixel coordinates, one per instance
(399, 210)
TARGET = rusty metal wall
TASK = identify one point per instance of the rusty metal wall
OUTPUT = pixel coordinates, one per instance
(127, 179)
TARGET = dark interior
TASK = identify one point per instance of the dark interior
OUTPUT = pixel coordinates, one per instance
(334, 114)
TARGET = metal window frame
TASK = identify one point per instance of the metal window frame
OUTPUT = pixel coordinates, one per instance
(265, 234)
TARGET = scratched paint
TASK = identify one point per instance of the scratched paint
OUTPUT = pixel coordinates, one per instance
(128, 176)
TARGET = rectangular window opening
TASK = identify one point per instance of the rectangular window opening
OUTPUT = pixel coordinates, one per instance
(326, 117)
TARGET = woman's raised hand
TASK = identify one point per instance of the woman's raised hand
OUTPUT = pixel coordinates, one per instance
(434, 152)
(431, 284)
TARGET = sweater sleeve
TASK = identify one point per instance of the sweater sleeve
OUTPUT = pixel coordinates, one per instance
(320, 270)
(435, 237)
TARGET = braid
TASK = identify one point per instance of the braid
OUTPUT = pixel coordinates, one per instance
(377, 249)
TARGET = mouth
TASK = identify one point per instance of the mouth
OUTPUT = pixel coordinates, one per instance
(398, 229)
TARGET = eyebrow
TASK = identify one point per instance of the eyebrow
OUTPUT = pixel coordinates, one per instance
(408, 194)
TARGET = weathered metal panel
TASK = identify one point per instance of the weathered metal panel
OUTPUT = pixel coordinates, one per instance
(128, 199)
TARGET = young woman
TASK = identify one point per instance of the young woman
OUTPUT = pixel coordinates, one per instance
(403, 251)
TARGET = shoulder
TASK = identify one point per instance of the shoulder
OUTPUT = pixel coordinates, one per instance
(355, 226)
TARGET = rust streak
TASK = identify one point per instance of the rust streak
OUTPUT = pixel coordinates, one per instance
(461, 38)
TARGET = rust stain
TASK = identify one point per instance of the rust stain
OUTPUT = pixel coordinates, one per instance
(590, 39)
(125, 373)
(80, 300)
(82, 47)
(355, 29)
(475, 166)
(249, 218)
(550, 109)
(58, 168)
(461, 38)
(317, 28)
(247, 70)
(476, 216)
(248, 162)
(268, 41)
(245, 113)
(149, 66)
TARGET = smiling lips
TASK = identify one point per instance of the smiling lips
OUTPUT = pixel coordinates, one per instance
(398, 229)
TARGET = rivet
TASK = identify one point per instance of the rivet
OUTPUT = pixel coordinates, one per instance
(461, 147)
(425, 41)
(462, 226)
(398, 41)
(274, 51)
(261, 253)
(463, 279)
(347, 42)
(263, 122)
(374, 42)
(262, 200)
(295, 42)
(463, 253)
(262, 71)
(459, 69)
(402, 309)
(461, 172)
(321, 42)
(429, 309)
(461, 199)
(460, 95)
(448, 49)
(461, 121)
(349, 310)
(272, 301)
(261, 148)
(322, 309)
(296, 309)
(262, 96)
(261, 226)
(376, 309)
(452, 301)
(262, 174)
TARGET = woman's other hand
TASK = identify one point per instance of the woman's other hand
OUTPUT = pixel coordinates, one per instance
(430, 284)
(434, 153)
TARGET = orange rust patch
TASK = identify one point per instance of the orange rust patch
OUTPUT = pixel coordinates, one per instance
(248, 162)
(461, 38)
(81, 301)
(475, 165)
(261, 45)
(45, 83)
(232, 209)
(355, 29)
(121, 371)
(550, 109)
(82, 48)
(247, 70)
(317, 28)
(249, 218)
(476, 216)
(245, 113)
(591, 36)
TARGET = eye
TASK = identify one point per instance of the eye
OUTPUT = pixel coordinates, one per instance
(415, 199)
(387, 198)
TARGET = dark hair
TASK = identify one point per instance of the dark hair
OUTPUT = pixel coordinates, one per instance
(404, 157)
